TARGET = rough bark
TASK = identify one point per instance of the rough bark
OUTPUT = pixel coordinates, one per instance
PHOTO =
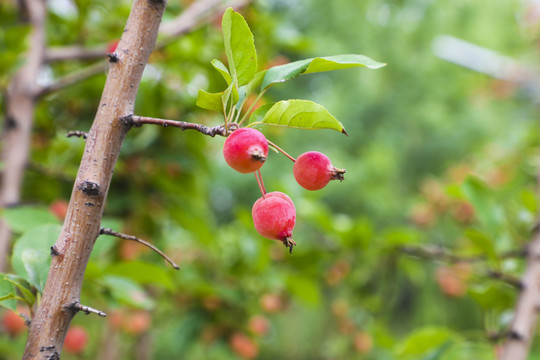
(82, 225)
(19, 117)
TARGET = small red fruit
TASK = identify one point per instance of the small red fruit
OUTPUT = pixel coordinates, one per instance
(76, 340)
(259, 325)
(313, 170)
(245, 150)
(137, 322)
(274, 217)
(13, 323)
(243, 346)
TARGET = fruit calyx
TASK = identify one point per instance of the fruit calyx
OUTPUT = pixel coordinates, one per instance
(338, 174)
(289, 243)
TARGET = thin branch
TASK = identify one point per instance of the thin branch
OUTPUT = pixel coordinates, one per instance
(439, 253)
(106, 231)
(77, 133)
(74, 78)
(137, 121)
(509, 279)
(281, 151)
(77, 306)
(66, 53)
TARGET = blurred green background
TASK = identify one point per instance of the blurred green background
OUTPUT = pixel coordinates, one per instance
(438, 157)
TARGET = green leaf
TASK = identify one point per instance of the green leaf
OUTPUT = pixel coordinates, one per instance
(305, 289)
(245, 90)
(222, 69)
(126, 291)
(289, 71)
(483, 243)
(493, 296)
(239, 47)
(26, 290)
(258, 115)
(31, 254)
(302, 114)
(210, 101)
(487, 209)
(23, 218)
(143, 273)
(7, 294)
(424, 339)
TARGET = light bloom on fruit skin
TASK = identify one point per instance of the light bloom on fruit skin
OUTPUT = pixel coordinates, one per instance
(76, 340)
(313, 170)
(245, 150)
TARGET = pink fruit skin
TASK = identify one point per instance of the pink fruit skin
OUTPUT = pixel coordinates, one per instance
(76, 340)
(274, 216)
(242, 149)
(313, 170)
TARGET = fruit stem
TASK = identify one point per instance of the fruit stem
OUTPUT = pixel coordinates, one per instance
(337, 174)
(289, 243)
(281, 150)
(260, 182)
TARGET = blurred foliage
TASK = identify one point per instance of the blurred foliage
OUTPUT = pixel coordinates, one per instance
(437, 155)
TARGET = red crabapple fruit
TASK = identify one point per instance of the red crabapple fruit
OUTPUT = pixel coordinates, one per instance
(76, 340)
(274, 216)
(313, 170)
(13, 323)
(245, 150)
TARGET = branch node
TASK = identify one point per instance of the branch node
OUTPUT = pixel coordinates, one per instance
(54, 251)
(89, 188)
(77, 306)
(113, 58)
(107, 231)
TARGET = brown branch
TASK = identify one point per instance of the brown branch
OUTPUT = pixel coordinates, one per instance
(77, 306)
(523, 325)
(509, 279)
(198, 13)
(74, 78)
(138, 121)
(439, 253)
(20, 103)
(82, 225)
(77, 133)
(63, 53)
(106, 231)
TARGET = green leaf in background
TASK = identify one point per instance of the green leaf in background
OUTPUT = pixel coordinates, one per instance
(258, 115)
(126, 291)
(305, 289)
(32, 254)
(289, 71)
(302, 114)
(222, 69)
(482, 198)
(143, 273)
(7, 294)
(23, 218)
(493, 296)
(24, 288)
(483, 243)
(424, 339)
(239, 47)
(210, 101)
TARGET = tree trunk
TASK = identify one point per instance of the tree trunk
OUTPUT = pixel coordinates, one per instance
(19, 117)
(82, 225)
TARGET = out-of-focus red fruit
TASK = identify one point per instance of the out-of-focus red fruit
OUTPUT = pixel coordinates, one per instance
(111, 47)
(116, 318)
(363, 342)
(13, 323)
(435, 194)
(422, 215)
(271, 303)
(59, 209)
(340, 308)
(243, 346)
(313, 170)
(450, 281)
(274, 217)
(337, 272)
(346, 326)
(76, 340)
(137, 322)
(463, 212)
(211, 302)
(245, 150)
(259, 325)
